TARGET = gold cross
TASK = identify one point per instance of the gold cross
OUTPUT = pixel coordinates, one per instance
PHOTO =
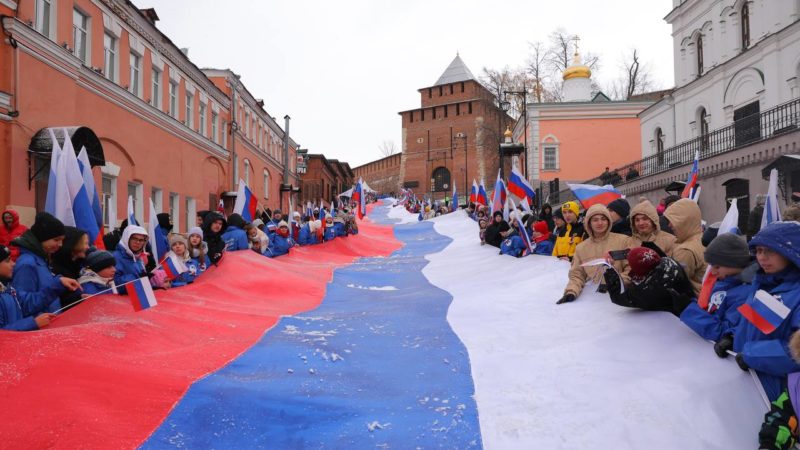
(576, 39)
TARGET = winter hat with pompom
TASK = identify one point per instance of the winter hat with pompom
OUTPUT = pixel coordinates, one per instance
(642, 260)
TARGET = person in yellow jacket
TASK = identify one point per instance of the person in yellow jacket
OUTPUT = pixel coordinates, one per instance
(571, 234)
(601, 240)
(646, 227)
(684, 219)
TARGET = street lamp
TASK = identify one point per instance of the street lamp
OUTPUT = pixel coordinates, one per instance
(506, 105)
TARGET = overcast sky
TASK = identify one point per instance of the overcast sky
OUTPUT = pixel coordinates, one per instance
(342, 70)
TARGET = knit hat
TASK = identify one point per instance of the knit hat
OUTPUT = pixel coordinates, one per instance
(620, 206)
(541, 227)
(571, 206)
(283, 223)
(5, 253)
(196, 230)
(47, 227)
(728, 250)
(642, 260)
(783, 237)
(175, 238)
(99, 260)
(258, 223)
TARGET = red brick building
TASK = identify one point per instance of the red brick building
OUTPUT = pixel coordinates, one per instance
(453, 136)
(324, 179)
(383, 174)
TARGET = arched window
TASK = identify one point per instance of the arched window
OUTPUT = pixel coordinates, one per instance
(699, 45)
(441, 179)
(659, 138)
(247, 172)
(745, 26)
(702, 124)
(266, 184)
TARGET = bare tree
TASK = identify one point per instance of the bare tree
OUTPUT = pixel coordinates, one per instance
(387, 148)
(636, 77)
(536, 68)
(500, 81)
(562, 52)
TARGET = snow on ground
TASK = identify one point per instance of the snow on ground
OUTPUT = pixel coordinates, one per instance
(588, 374)
(400, 213)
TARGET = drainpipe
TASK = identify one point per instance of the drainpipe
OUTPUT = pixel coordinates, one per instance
(234, 127)
(286, 185)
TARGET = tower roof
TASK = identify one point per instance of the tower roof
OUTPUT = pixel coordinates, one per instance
(455, 72)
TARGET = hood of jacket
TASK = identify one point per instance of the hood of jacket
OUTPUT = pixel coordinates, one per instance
(15, 216)
(29, 242)
(62, 259)
(209, 219)
(596, 210)
(164, 221)
(684, 216)
(647, 209)
(90, 276)
(236, 220)
(129, 231)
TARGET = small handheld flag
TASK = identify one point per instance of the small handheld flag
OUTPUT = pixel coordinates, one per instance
(691, 190)
(454, 203)
(765, 312)
(152, 224)
(772, 212)
(173, 266)
(473, 194)
(141, 294)
(499, 195)
(131, 214)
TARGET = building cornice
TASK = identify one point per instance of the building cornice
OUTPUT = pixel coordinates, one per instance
(11, 4)
(475, 99)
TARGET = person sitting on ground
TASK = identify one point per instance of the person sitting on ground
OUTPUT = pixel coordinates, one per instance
(69, 259)
(513, 244)
(11, 229)
(683, 217)
(282, 241)
(180, 249)
(338, 226)
(98, 275)
(161, 238)
(646, 227)
(330, 232)
(198, 250)
(213, 228)
(727, 257)
(495, 230)
(234, 236)
(764, 349)
(541, 237)
(601, 241)
(571, 234)
(38, 289)
(12, 315)
(619, 210)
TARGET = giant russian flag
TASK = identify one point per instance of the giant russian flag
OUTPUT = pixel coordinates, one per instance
(690, 190)
(519, 186)
(141, 294)
(590, 194)
(246, 202)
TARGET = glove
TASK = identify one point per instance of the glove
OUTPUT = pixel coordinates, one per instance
(679, 301)
(780, 425)
(603, 288)
(613, 284)
(722, 346)
(740, 361)
(566, 299)
(158, 278)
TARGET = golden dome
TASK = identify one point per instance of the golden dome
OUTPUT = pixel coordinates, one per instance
(508, 134)
(577, 70)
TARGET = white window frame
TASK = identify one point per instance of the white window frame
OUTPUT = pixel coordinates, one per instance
(155, 88)
(45, 18)
(109, 199)
(157, 194)
(189, 110)
(135, 86)
(554, 148)
(110, 56)
(224, 131)
(175, 210)
(138, 201)
(174, 89)
(246, 168)
(202, 113)
(266, 184)
(190, 208)
(81, 36)
(214, 127)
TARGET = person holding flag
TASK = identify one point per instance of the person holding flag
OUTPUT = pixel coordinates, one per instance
(359, 199)
(132, 260)
(177, 262)
(499, 196)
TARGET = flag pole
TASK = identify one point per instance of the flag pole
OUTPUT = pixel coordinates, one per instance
(104, 291)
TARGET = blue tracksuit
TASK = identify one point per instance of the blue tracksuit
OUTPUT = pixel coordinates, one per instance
(279, 246)
(513, 245)
(768, 354)
(235, 238)
(330, 234)
(11, 315)
(38, 290)
(129, 268)
(726, 296)
(306, 236)
(338, 228)
(92, 287)
(544, 248)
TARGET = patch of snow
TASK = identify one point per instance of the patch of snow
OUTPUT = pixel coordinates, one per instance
(372, 288)
(375, 425)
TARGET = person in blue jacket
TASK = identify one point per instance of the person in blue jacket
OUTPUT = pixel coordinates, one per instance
(161, 238)
(179, 247)
(98, 275)
(235, 237)
(38, 289)
(729, 260)
(330, 232)
(12, 317)
(541, 238)
(198, 250)
(338, 226)
(308, 233)
(777, 248)
(131, 258)
(281, 243)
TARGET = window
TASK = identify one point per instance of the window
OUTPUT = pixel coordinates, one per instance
(462, 86)
(44, 18)
(411, 116)
(246, 124)
(702, 119)
(203, 119)
(550, 158)
(80, 35)
(699, 45)
(469, 108)
(422, 115)
(158, 199)
(445, 109)
(266, 184)
(188, 119)
(224, 134)
(190, 209)
(109, 192)
(745, 26)
(135, 192)
(174, 210)
(214, 127)
(458, 109)
(660, 145)
(247, 172)
(155, 95)
(173, 99)
(451, 89)
(136, 74)
(433, 112)
(430, 92)
(110, 57)
(440, 91)
(441, 179)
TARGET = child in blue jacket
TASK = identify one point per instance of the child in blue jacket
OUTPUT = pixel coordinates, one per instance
(234, 236)
(179, 248)
(282, 242)
(98, 275)
(12, 317)
(541, 237)
(198, 251)
(728, 257)
(330, 231)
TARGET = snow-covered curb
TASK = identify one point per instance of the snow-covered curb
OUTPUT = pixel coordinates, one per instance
(583, 375)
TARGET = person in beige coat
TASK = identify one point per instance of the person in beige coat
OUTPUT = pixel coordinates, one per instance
(601, 241)
(684, 219)
(646, 227)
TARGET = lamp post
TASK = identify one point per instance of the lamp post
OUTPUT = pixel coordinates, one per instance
(506, 105)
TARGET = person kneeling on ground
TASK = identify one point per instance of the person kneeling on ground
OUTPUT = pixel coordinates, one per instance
(601, 241)
(281, 242)
(98, 275)
(12, 316)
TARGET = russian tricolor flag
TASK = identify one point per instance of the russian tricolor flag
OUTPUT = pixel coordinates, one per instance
(690, 191)
(454, 202)
(473, 194)
(590, 194)
(499, 196)
(482, 197)
(173, 266)
(141, 294)
(765, 312)
(519, 186)
(246, 202)
(772, 210)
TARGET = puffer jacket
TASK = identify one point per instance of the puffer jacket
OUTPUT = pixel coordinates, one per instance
(92, 283)
(11, 315)
(279, 245)
(513, 245)
(684, 217)
(567, 239)
(651, 294)
(330, 233)
(38, 289)
(8, 234)
(723, 315)
(662, 239)
(234, 236)
(216, 245)
(308, 233)
(130, 266)
(593, 248)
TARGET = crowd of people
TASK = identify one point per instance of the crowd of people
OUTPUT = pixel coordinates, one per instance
(662, 258)
(50, 267)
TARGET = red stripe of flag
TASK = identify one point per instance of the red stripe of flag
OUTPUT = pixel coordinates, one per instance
(756, 319)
